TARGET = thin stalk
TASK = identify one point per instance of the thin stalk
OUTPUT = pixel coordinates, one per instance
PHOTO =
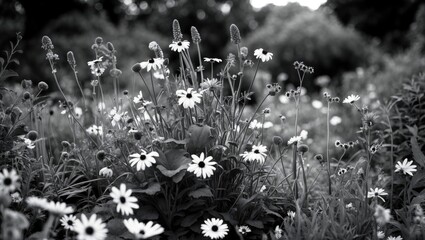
(327, 151)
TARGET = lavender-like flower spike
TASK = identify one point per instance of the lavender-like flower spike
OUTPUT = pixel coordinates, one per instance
(235, 35)
(46, 43)
(177, 33)
(156, 49)
(71, 59)
(196, 37)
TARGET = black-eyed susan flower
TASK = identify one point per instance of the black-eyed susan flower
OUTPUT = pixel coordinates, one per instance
(68, 222)
(9, 180)
(153, 63)
(377, 193)
(214, 228)
(244, 230)
(351, 99)
(201, 166)
(141, 230)
(258, 153)
(90, 228)
(188, 98)
(122, 197)
(263, 55)
(143, 159)
(406, 167)
(179, 46)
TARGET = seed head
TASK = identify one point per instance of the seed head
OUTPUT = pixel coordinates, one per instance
(277, 140)
(64, 155)
(115, 73)
(138, 135)
(65, 144)
(71, 59)
(26, 83)
(27, 95)
(177, 33)
(32, 135)
(125, 92)
(98, 40)
(319, 157)
(110, 46)
(154, 46)
(136, 68)
(100, 155)
(46, 43)
(43, 86)
(235, 35)
(302, 148)
(196, 37)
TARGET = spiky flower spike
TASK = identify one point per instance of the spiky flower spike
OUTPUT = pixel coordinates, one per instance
(196, 37)
(177, 33)
(154, 46)
(71, 59)
(235, 35)
(46, 43)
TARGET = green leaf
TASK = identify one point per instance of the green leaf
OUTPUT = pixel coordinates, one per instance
(189, 220)
(16, 61)
(7, 74)
(116, 227)
(150, 190)
(172, 161)
(147, 212)
(413, 130)
(201, 192)
(40, 99)
(200, 137)
(255, 223)
(417, 154)
(1, 62)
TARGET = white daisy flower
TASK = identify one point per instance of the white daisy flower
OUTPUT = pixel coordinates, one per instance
(153, 63)
(406, 167)
(95, 130)
(140, 99)
(394, 238)
(303, 134)
(263, 55)
(106, 172)
(377, 193)
(141, 230)
(255, 124)
(68, 222)
(9, 180)
(217, 60)
(158, 75)
(380, 235)
(179, 46)
(90, 228)
(291, 215)
(116, 116)
(30, 144)
(96, 67)
(278, 232)
(125, 202)
(201, 166)
(211, 84)
(382, 215)
(257, 153)
(244, 230)
(351, 99)
(36, 202)
(295, 139)
(143, 160)
(78, 112)
(214, 228)
(263, 188)
(188, 98)
(58, 208)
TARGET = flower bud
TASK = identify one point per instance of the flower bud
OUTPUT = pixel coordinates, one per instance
(64, 155)
(46, 43)
(235, 35)
(177, 33)
(33, 135)
(277, 140)
(244, 52)
(26, 83)
(115, 73)
(302, 148)
(125, 92)
(71, 59)
(196, 37)
(65, 144)
(98, 40)
(110, 46)
(43, 86)
(27, 95)
(100, 155)
(319, 157)
(138, 135)
(136, 68)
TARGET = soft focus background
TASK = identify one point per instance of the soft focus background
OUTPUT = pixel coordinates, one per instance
(355, 46)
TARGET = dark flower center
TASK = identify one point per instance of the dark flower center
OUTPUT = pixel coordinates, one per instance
(89, 231)
(376, 194)
(7, 181)
(256, 151)
(151, 60)
(179, 43)
(142, 157)
(201, 164)
(264, 52)
(122, 200)
(142, 232)
(189, 95)
(70, 223)
(214, 228)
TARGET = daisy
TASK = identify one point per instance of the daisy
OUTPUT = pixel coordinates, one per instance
(291, 214)
(382, 215)
(394, 238)
(95, 130)
(211, 84)
(90, 228)
(202, 166)
(295, 139)
(68, 222)
(116, 116)
(255, 124)
(58, 208)
(125, 202)
(141, 230)
(380, 234)
(278, 232)
(406, 167)
(105, 172)
(30, 144)
(214, 228)
(377, 193)
(179, 46)
(143, 160)
(304, 134)
(244, 230)
(153, 63)
(257, 153)
(140, 99)
(36, 202)
(96, 67)
(351, 99)
(188, 98)
(158, 75)
(9, 180)
(263, 55)
(212, 60)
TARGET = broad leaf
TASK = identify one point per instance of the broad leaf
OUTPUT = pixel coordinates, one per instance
(172, 162)
(7, 74)
(200, 137)
(150, 190)
(201, 192)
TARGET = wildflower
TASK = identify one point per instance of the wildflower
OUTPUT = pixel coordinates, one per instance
(377, 193)
(244, 230)
(188, 98)
(9, 180)
(140, 99)
(295, 139)
(68, 222)
(141, 230)
(100, 155)
(46, 43)
(105, 172)
(303, 134)
(153, 63)
(277, 140)
(406, 167)
(263, 55)
(36, 202)
(43, 86)
(291, 215)
(212, 60)
(214, 228)
(90, 228)
(196, 37)
(202, 166)
(16, 197)
(211, 84)
(116, 115)
(235, 35)
(319, 157)
(143, 160)
(342, 171)
(335, 120)
(32, 135)
(263, 188)
(257, 153)
(96, 67)
(95, 130)
(303, 148)
(351, 99)
(374, 148)
(78, 112)
(125, 202)
(394, 238)
(380, 234)
(338, 143)
(58, 208)
(278, 232)
(177, 33)
(179, 46)
(255, 124)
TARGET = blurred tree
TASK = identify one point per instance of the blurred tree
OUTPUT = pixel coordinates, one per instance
(387, 20)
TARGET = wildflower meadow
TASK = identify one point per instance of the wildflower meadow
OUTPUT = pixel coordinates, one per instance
(171, 147)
